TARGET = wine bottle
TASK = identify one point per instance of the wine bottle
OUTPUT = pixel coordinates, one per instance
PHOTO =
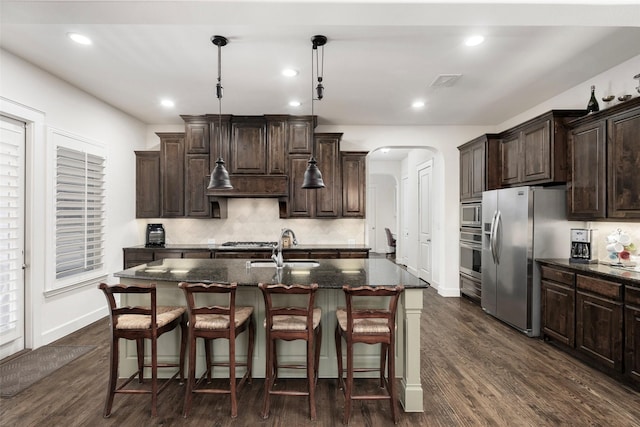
(593, 106)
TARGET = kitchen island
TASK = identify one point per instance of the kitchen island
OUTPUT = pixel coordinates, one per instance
(330, 274)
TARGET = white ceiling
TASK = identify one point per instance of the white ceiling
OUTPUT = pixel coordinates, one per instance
(380, 56)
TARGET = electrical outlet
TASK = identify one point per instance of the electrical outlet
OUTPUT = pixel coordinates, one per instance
(351, 242)
(211, 242)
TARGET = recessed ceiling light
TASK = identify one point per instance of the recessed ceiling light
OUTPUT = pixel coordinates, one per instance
(79, 38)
(385, 150)
(417, 104)
(167, 103)
(294, 103)
(289, 72)
(474, 40)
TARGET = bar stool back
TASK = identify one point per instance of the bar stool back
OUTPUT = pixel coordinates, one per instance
(209, 323)
(140, 323)
(368, 326)
(291, 323)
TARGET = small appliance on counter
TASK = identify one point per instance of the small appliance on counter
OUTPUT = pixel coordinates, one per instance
(583, 249)
(155, 236)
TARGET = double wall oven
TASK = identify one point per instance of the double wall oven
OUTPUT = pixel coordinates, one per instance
(471, 250)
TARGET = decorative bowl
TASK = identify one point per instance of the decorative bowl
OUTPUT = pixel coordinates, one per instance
(624, 97)
(608, 98)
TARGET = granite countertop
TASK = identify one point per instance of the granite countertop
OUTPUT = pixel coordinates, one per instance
(298, 247)
(602, 270)
(329, 273)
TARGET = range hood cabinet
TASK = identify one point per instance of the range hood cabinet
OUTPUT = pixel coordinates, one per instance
(254, 186)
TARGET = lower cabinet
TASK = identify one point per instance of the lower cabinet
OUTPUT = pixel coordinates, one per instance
(558, 299)
(632, 333)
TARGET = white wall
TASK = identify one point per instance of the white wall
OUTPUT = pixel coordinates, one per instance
(67, 108)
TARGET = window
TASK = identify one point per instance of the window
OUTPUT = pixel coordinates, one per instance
(79, 204)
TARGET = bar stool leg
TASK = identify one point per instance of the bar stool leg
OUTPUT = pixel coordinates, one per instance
(113, 378)
(184, 332)
(232, 375)
(311, 379)
(338, 339)
(154, 378)
(208, 357)
(188, 393)
(392, 380)
(140, 355)
(383, 362)
(349, 385)
(317, 344)
(252, 337)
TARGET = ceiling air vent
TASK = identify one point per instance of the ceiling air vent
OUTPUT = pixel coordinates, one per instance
(445, 80)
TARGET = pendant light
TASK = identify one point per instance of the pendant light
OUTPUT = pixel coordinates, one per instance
(219, 176)
(313, 176)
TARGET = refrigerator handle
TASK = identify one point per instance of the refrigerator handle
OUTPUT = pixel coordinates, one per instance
(496, 237)
(492, 237)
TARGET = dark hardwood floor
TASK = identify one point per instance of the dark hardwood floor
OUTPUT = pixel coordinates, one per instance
(475, 371)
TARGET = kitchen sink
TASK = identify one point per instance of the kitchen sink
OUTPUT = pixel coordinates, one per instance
(291, 264)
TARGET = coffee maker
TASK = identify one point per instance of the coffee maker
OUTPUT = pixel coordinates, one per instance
(583, 249)
(155, 235)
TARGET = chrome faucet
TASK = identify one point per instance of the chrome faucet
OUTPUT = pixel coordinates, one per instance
(276, 255)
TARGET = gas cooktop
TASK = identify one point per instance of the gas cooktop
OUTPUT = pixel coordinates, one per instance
(250, 244)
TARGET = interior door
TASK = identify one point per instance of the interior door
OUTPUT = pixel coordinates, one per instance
(403, 241)
(372, 218)
(424, 221)
(12, 172)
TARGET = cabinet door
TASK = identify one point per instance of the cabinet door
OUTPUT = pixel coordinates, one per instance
(632, 342)
(471, 288)
(172, 174)
(301, 201)
(219, 126)
(197, 136)
(196, 254)
(248, 147)
(159, 254)
(599, 330)
(478, 171)
(536, 157)
(328, 199)
(276, 146)
(510, 160)
(558, 312)
(300, 134)
(466, 174)
(353, 184)
(624, 165)
(133, 257)
(586, 185)
(147, 184)
(197, 179)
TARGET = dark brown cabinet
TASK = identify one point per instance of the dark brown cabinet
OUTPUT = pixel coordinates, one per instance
(248, 145)
(623, 151)
(147, 184)
(197, 203)
(172, 174)
(136, 256)
(586, 184)
(558, 298)
(599, 321)
(329, 199)
(536, 151)
(632, 333)
(276, 145)
(477, 168)
(353, 183)
(300, 134)
(219, 133)
(196, 134)
(603, 157)
(301, 202)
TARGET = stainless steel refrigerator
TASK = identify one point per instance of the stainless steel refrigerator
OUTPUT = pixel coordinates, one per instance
(519, 225)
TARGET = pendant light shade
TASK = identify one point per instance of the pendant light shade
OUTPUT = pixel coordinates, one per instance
(313, 176)
(219, 176)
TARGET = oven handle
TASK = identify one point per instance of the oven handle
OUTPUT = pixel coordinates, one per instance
(468, 245)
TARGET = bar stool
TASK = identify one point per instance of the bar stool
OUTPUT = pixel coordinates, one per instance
(368, 326)
(140, 323)
(210, 323)
(291, 323)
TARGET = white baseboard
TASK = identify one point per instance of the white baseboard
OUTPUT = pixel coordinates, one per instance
(65, 329)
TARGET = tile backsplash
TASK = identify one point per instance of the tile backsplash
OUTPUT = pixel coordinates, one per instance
(256, 220)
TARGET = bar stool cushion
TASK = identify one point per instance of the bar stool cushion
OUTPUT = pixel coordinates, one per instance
(363, 326)
(295, 323)
(164, 316)
(221, 321)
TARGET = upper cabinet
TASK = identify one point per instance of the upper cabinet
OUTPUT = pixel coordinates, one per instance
(477, 170)
(353, 183)
(329, 198)
(604, 155)
(535, 152)
(172, 174)
(300, 134)
(248, 148)
(147, 184)
(196, 134)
